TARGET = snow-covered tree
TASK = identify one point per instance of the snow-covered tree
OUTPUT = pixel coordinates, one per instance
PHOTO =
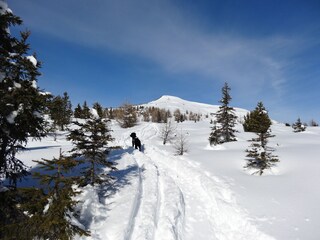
(215, 135)
(260, 155)
(313, 123)
(91, 140)
(225, 119)
(21, 102)
(100, 110)
(50, 209)
(55, 219)
(298, 126)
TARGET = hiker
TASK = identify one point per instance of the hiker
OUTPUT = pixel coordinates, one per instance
(133, 136)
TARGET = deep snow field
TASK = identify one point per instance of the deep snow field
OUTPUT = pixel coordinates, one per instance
(204, 194)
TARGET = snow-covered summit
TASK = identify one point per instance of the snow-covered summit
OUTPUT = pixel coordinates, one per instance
(172, 103)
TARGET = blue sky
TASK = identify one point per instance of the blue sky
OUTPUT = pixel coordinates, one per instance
(113, 51)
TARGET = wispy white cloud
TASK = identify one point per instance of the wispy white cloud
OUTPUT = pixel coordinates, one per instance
(164, 34)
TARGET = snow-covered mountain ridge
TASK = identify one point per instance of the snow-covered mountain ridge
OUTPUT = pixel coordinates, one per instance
(172, 103)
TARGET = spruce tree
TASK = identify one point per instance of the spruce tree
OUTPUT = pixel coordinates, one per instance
(128, 116)
(225, 119)
(85, 110)
(54, 221)
(257, 120)
(90, 140)
(21, 102)
(77, 113)
(61, 111)
(50, 208)
(101, 112)
(259, 153)
(298, 126)
(215, 135)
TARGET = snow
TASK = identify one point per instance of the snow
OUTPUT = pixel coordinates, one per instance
(34, 84)
(4, 7)
(33, 60)
(17, 85)
(204, 194)
(11, 117)
(94, 113)
(172, 103)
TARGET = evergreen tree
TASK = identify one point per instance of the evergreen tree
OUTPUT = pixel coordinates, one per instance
(128, 116)
(225, 118)
(178, 117)
(101, 112)
(259, 155)
(90, 140)
(21, 102)
(77, 113)
(298, 126)
(54, 221)
(61, 111)
(313, 123)
(85, 110)
(257, 120)
(50, 213)
(215, 135)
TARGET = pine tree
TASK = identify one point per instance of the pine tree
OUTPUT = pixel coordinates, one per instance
(257, 120)
(61, 111)
(21, 102)
(101, 112)
(177, 116)
(54, 221)
(77, 113)
(215, 135)
(85, 110)
(225, 119)
(51, 208)
(90, 140)
(259, 155)
(298, 126)
(128, 116)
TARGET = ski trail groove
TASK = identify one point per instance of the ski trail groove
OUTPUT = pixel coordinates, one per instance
(136, 204)
(209, 202)
(146, 218)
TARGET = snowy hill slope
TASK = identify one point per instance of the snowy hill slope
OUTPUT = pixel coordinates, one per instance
(172, 103)
(205, 194)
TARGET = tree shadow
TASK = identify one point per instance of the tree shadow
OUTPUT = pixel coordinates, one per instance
(121, 177)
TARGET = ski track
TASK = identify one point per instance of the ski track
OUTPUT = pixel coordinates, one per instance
(172, 198)
(192, 199)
